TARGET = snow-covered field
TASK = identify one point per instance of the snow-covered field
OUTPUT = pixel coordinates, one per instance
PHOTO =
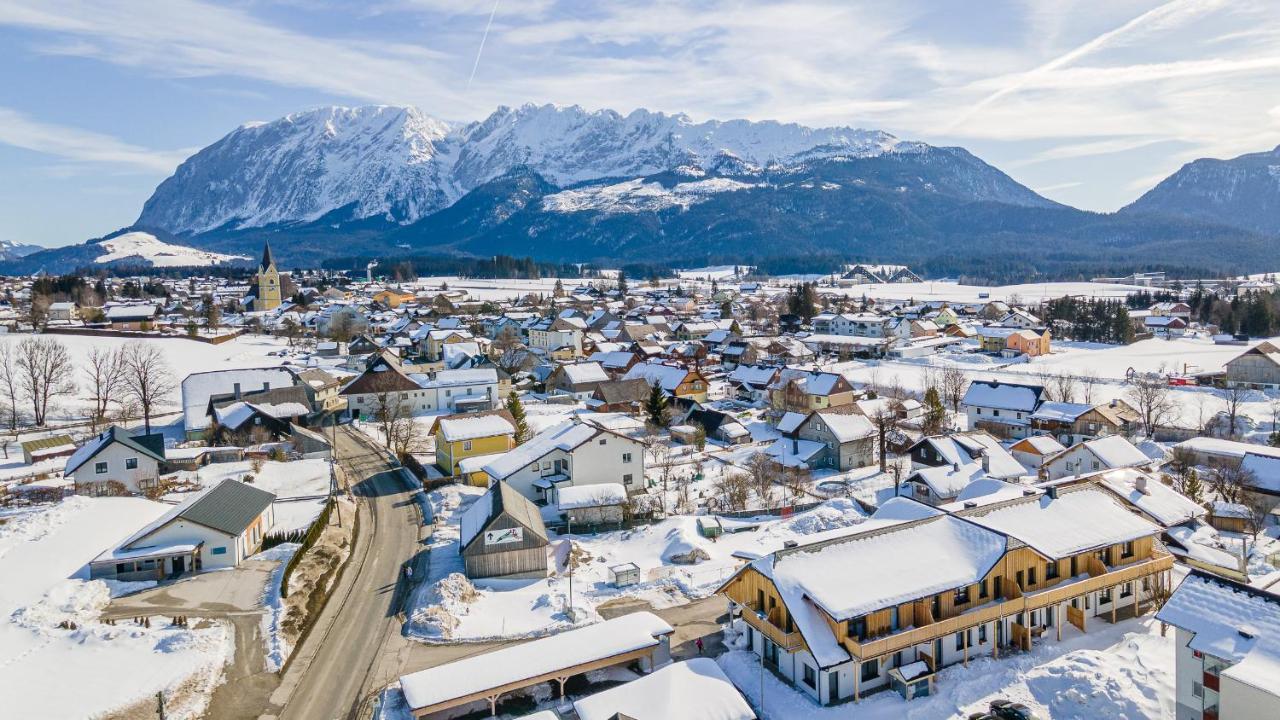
(447, 607)
(44, 554)
(1124, 670)
(183, 356)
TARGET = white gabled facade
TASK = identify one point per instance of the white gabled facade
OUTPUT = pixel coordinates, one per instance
(569, 455)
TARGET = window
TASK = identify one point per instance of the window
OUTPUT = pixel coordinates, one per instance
(100, 468)
(1095, 465)
(626, 479)
(1126, 590)
(810, 677)
(960, 641)
(982, 634)
(466, 445)
(1126, 550)
(218, 551)
(995, 413)
(961, 596)
(1031, 576)
(982, 588)
(602, 441)
(131, 463)
(870, 670)
(858, 628)
(1104, 596)
(1197, 689)
(626, 457)
(1019, 416)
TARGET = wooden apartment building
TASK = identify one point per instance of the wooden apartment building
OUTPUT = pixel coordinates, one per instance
(887, 603)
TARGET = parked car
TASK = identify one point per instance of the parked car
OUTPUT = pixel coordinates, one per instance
(1009, 710)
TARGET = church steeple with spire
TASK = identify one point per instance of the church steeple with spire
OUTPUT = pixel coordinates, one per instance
(268, 280)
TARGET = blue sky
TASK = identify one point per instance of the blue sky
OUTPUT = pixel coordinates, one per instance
(1089, 103)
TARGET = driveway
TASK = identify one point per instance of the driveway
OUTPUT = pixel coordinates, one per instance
(213, 594)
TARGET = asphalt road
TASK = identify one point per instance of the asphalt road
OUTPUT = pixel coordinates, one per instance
(356, 646)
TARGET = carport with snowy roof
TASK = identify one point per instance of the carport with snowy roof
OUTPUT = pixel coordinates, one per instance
(640, 636)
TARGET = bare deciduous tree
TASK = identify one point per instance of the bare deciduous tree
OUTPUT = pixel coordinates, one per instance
(1233, 396)
(1149, 395)
(44, 373)
(732, 490)
(886, 421)
(1088, 385)
(1258, 507)
(147, 378)
(953, 385)
(104, 377)
(763, 474)
(1231, 481)
(9, 390)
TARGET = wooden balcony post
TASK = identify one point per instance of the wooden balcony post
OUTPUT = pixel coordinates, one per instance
(1058, 618)
(966, 647)
(857, 676)
(1115, 600)
(995, 639)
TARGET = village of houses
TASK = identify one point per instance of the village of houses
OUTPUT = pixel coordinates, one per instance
(865, 495)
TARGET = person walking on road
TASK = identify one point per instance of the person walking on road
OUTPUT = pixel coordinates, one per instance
(698, 643)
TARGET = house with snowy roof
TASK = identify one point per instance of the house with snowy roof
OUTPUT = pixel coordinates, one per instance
(114, 461)
(1104, 453)
(1002, 408)
(577, 379)
(472, 435)
(975, 447)
(848, 438)
(502, 535)
(572, 453)
(1257, 368)
(1226, 648)
(889, 602)
(797, 390)
(676, 380)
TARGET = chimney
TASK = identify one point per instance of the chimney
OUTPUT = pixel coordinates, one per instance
(955, 467)
(790, 544)
(970, 504)
(1052, 492)
(986, 461)
(236, 390)
(795, 446)
(1140, 484)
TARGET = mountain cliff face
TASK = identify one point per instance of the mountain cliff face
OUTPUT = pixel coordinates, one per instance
(400, 165)
(1242, 192)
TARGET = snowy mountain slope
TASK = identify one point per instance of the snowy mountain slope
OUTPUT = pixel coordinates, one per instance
(1242, 192)
(402, 165)
(11, 250)
(145, 248)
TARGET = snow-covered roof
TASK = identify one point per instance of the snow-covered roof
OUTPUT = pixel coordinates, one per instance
(1197, 543)
(569, 649)
(947, 553)
(566, 436)
(470, 427)
(1116, 452)
(947, 481)
(1042, 444)
(584, 496)
(586, 372)
(1145, 492)
(1230, 621)
(1226, 448)
(668, 377)
(847, 427)
(1003, 396)
(1079, 519)
(456, 378)
(1266, 471)
(794, 453)
(198, 387)
(696, 689)
(1060, 411)
(790, 421)
(752, 375)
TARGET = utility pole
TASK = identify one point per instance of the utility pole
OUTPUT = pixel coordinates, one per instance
(160, 705)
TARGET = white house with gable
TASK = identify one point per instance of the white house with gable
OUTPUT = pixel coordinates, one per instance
(570, 454)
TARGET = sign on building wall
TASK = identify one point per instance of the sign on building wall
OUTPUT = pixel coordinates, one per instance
(503, 537)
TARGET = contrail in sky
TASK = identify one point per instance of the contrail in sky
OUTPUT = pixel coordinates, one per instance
(484, 37)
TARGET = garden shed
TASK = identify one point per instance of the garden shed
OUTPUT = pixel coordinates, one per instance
(502, 535)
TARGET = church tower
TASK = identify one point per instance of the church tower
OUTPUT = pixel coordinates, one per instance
(268, 282)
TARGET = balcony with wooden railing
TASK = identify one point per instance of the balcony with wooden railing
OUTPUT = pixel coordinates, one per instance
(1015, 601)
(769, 624)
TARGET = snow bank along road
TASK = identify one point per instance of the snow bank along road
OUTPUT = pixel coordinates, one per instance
(355, 646)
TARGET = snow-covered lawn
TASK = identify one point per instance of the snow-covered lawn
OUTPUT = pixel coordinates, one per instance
(299, 486)
(51, 672)
(448, 607)
(1124, 670)
(277, 644)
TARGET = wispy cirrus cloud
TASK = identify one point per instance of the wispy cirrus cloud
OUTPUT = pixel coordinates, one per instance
(83, 146)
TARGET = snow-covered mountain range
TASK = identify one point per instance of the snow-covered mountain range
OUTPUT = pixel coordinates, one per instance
(402, 165)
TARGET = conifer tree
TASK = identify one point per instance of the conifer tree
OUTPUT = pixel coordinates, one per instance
(516, 408)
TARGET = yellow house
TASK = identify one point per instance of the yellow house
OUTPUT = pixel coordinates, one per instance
(459, 437)
(392, 298)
